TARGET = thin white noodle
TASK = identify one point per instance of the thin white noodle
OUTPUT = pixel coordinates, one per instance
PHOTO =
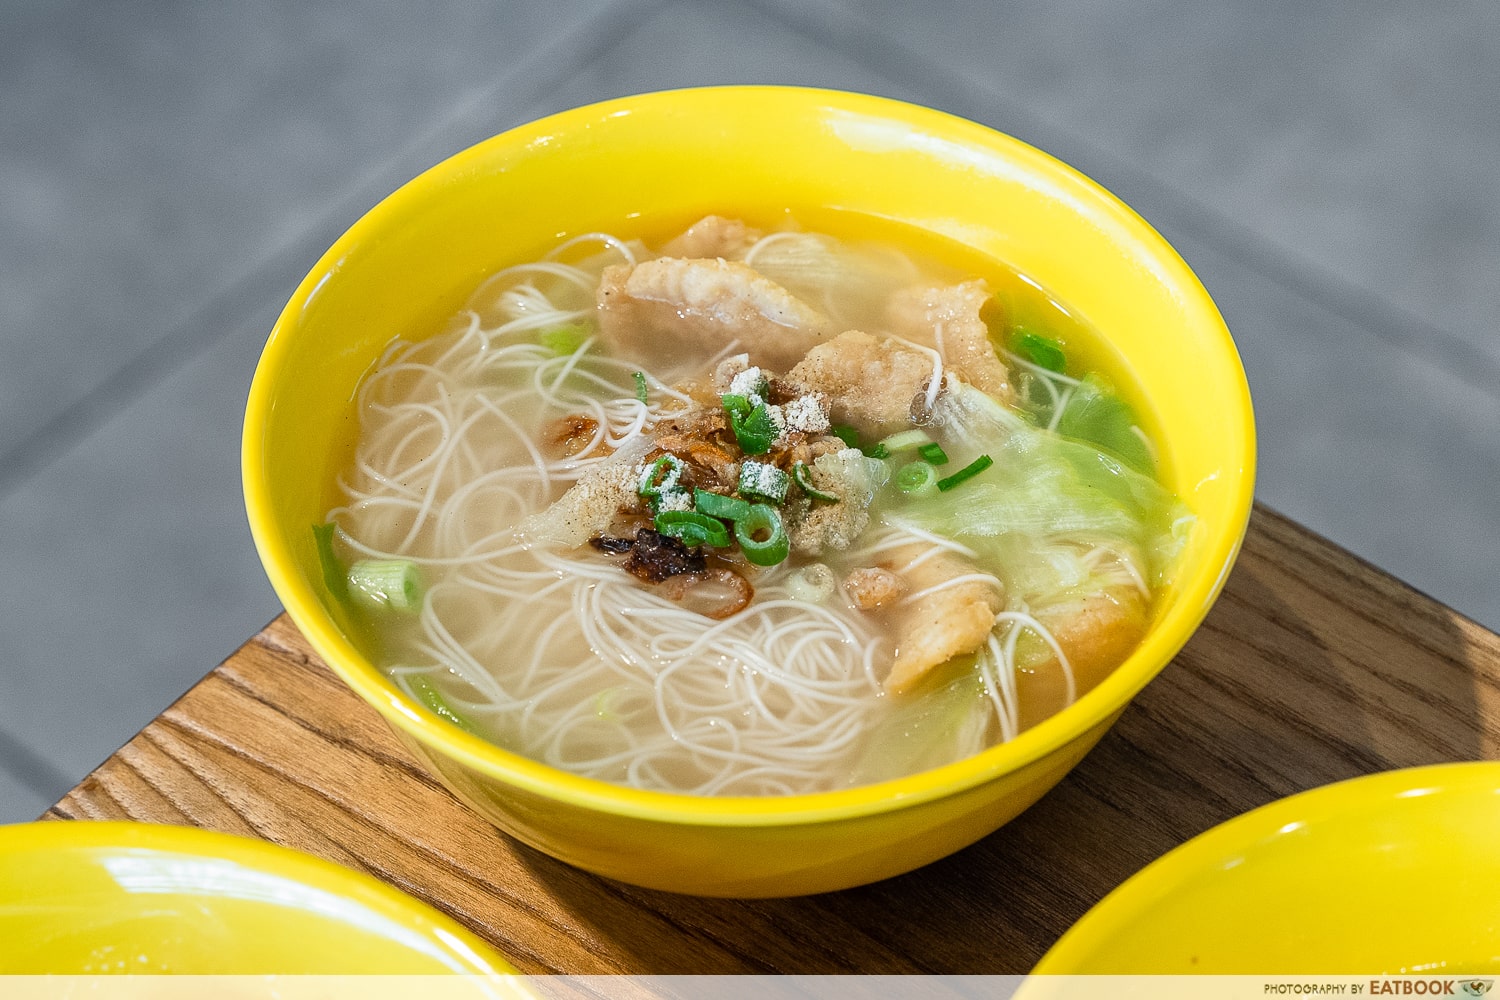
(1024, 620)
(935, 383)
(1150, 445)
(616, 244)
(769, 240)
(951, 582)
(1044, 373)
(1057, 411)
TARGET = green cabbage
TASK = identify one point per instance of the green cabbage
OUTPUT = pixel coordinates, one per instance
(1046, 502)
(936, 727)
(1095, 414)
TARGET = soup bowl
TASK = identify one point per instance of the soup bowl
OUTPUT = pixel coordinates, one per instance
(1391, 874)
(409, 264)
(91, 898)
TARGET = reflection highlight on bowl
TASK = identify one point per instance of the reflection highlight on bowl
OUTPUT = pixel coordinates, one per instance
(83, 898)
(1388, 874)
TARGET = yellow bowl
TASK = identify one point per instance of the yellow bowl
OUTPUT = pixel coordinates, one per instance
(1393, 874)
(409, 264)
(85, 898)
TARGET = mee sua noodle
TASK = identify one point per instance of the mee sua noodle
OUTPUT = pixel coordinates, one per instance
(749, 513)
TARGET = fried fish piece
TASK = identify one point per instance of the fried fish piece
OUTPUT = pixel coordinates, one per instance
(713, 236)
(869, 381)
(945, 615)
(946, 317)
(704, 304)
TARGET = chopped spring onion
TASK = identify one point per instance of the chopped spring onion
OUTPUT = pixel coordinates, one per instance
(762, 481)
(333, 572)
(846, 434)
(386, 584)
(673, 499)
(640, 387)
(735, 405)
(803, 476)
(761, 536)
(692, 528)
(718, 505)
(1044, 352)
(902, 440)
(750, 384)
(879, 451)
(752, 425)
(916, 478)
(427, 694)
(650, 486)
(561, 340)
(934, 453)
(969, 471)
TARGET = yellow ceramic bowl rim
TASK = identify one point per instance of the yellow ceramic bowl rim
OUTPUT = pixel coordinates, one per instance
(1133, 899)
(263, 856)
(1160, 645)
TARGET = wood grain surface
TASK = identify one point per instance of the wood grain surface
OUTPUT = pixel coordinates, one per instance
(1312, 667)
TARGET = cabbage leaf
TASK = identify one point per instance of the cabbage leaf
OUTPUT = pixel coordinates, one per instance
(1047, 500)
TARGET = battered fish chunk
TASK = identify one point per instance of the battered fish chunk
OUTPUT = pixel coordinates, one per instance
(949, 622)
(813, 529)
(1096, 633)
(589, 506)
(871, 587)
(870, 381)
(705, 304)
(714, 236)
(947, 317)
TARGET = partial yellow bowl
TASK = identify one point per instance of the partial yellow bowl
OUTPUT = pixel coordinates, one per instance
(408, 265)
(1392, 874)
(87, 898)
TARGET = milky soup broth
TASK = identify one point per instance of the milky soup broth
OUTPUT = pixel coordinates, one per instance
(749, 509)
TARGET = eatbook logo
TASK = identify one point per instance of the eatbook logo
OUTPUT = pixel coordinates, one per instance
(1416, 987)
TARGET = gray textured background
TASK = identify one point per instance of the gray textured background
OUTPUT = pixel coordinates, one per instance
(169, 170)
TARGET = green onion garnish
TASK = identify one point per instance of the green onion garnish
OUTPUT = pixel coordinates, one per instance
(718, 505)
(902, 440)
(846, 434)
(649, 486)
(933, 453)
(333, 572)
(427, 694)
(675, 498)
(386, 584)
(761, 481)
(969, 471)
(692, 528)
(562, 340)
(1044, 352)
(640, 386)
(759, 386)
(803, 476)
(917, 478)
(737, 406)
(761, 536)
(752, 425)
(879, 451)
